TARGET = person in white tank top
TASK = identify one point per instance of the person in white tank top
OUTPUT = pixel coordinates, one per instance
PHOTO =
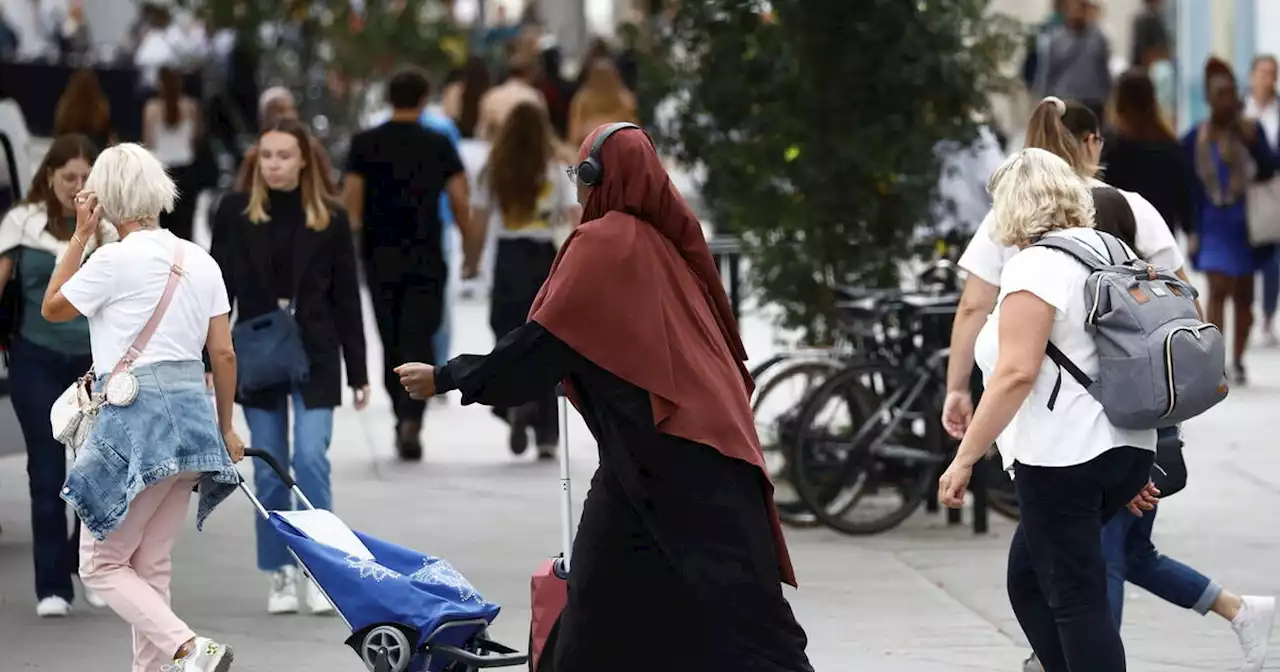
(171, 129)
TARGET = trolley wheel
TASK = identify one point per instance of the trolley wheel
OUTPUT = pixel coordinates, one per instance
(392, 641)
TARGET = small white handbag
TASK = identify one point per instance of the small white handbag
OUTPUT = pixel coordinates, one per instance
(71, 416)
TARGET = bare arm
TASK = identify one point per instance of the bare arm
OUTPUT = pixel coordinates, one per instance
(976, 303)
(353, 198)
(6, 270)
(222, 360)
(149, 114)
(1025, 323)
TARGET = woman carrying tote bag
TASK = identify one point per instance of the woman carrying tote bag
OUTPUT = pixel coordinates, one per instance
(289, 262)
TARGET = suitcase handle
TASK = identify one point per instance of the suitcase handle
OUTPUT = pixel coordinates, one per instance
(281, 473)
(272, 462)
(566, 491)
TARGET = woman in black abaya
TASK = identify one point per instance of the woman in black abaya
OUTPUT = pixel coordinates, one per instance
(679, 558)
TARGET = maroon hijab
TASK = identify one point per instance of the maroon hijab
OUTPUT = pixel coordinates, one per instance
(636, 291)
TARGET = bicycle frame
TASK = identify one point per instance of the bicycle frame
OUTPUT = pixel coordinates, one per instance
(895, 406)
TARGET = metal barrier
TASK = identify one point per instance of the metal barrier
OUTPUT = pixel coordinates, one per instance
(727, 251)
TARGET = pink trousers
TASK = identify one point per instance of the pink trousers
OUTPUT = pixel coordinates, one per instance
(130, 570)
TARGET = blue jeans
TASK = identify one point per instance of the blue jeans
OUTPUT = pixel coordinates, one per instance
(37, 376)
(1130, 556)
(269, 431)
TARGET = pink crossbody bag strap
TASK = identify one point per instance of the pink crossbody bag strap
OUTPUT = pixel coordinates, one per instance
(140, 343)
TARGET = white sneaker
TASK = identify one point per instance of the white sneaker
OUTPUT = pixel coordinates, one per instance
(206, 656)
(1253, 627)
(316, 601)
(284, 591)
(53, 607)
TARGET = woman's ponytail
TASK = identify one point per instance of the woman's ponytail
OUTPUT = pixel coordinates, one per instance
(1061, 128)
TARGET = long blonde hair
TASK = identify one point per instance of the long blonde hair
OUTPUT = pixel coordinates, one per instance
(603, 91)
(316, 202)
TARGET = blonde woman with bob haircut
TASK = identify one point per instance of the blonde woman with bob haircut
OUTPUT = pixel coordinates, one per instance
(154, 303)
(287, 253)
(1073, 469)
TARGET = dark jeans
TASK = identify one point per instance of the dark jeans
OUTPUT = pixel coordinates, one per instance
(408, 312)
(1057, 577)
(521, 267)
(38, 375)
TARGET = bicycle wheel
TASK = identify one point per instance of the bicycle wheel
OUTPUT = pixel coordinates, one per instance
(775, 407)
(869, 451)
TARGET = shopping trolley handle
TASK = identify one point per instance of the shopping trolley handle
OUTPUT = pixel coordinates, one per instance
(274, 464)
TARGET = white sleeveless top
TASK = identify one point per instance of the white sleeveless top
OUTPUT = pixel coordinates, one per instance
(173, 144)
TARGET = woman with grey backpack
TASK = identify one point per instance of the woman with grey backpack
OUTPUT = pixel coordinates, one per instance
(1127, 547)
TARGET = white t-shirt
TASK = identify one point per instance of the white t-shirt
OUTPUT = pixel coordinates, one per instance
(985, 257)
(557, 196)
(1076, 430)
(120, 286)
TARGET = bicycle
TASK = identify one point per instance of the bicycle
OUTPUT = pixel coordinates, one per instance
(891, 441)
(776, 409)
(784, 381)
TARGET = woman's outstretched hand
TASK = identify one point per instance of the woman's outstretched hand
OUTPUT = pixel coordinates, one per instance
(418, 379)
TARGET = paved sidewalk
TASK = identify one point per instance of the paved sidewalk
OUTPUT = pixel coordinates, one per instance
(922, 598)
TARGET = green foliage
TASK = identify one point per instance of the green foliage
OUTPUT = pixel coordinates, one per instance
(818, 129)
(358, 43)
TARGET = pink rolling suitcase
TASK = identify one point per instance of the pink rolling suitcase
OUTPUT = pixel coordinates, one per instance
(550, 584)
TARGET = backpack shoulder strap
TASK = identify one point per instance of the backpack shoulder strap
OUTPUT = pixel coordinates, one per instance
(1072, 247)
(1116, 249)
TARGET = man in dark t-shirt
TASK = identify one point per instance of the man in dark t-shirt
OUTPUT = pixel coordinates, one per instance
(395, 175)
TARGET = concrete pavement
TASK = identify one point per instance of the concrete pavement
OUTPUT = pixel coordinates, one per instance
(922, 598)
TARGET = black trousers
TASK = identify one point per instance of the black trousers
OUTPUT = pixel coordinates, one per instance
(1057, 578)
(408, 310)
(181, 222)
(521, 266)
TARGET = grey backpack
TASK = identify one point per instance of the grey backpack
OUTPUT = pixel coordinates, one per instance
(1159, 364)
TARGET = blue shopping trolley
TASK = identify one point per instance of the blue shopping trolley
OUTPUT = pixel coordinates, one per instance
(407, 611)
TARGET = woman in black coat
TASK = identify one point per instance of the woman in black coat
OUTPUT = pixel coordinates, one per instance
(286, 250)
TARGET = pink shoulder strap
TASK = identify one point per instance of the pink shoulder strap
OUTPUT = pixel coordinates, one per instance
(140, 343)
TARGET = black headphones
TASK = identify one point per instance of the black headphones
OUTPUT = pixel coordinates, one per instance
(591, 171)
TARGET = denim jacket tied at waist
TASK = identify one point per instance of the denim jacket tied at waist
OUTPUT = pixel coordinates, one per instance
(170, 428)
